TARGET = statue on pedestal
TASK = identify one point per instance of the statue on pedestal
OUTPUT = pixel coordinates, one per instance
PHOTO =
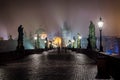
(92, 37)
(10, 37)
(78, 40)
(20, 46)
(89, 44)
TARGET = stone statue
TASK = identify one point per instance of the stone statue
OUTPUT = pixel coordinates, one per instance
(10, 37)
(20, 31)
(78, 40)
(92, 36)
(89, 44)
(74, 39)
(20, 46)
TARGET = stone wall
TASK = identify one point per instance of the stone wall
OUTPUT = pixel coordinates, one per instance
(110, 44)
(8, 45)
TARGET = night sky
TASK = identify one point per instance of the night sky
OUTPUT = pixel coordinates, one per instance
(51, 15)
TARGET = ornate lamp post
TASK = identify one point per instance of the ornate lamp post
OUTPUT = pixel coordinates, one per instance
(46, 43)
(73, 42)
(103, 72)
(100, 25)
(80, 37)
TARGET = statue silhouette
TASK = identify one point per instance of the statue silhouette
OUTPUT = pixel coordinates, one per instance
(20, 31)
(89, 44)
(20, 46)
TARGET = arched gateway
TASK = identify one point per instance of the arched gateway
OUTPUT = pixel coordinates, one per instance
(57, 42)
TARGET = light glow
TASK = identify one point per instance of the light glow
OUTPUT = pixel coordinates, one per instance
(73, 41)
(80, 37)
(57, 41)
(35, 38)
(100, 23)
(43, 35)
(45, 41)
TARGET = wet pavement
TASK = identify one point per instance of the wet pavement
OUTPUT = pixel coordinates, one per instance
(49, 66)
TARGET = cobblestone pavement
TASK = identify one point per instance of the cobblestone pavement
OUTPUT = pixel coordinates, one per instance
(69, 66)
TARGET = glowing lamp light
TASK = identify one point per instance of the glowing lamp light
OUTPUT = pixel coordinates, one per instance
(100, 23)
(45, 41)
(49, 43)
(43, 35)
(35, 38)
(80, 37)
(57, 41)
(73, 41)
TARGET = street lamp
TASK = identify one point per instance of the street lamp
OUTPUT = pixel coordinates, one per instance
(46, 43)
(35, 38)
(73, 41)
(102, 72)
(80, 37)
(100, 25)
(79, 40)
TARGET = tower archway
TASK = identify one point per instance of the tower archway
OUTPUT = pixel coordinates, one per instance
(57, 42)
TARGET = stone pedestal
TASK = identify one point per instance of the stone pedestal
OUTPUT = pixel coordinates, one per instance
(102, 68)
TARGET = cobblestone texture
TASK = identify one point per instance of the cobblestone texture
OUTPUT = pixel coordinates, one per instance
(46, 66)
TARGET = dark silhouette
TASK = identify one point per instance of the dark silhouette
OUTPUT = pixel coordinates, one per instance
(89, 44)
(20, 31)
(20, 46)
(46, 44)
(10, 37)
(92, 36)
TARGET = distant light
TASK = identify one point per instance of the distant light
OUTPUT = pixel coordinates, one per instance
(57, 41)
(73, 41)
(35, 38)
(43, 35)
(80, 37)
(45, 41)
(49, 43)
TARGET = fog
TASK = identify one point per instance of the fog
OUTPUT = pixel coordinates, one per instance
(51, 15)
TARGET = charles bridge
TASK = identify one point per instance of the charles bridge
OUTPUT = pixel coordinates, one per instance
(57, 62)
(52, 64)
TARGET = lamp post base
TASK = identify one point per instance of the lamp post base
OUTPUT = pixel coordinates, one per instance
(102, 68)
(101, 49)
